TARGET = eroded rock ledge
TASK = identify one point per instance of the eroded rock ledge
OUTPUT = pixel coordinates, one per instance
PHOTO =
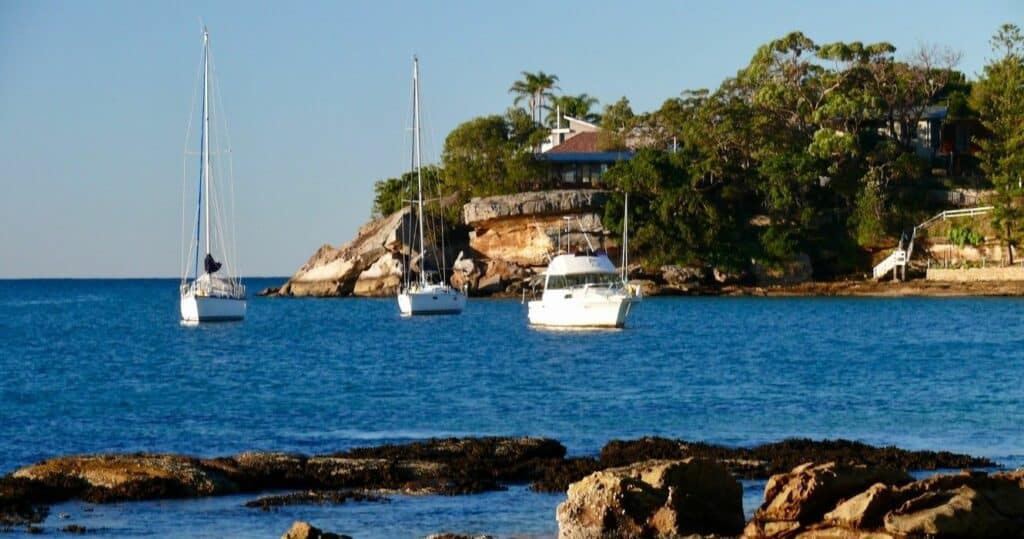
(437, 466)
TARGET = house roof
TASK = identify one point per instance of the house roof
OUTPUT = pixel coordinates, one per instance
(581, 143)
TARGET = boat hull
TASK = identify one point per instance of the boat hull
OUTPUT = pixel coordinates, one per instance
(212, 309)
(431, 300)
(598, 312)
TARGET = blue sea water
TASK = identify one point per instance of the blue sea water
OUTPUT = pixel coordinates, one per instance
(104, 365)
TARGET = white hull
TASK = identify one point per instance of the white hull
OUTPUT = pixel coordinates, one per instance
(433, 299)
(211, 309)
(581, 310)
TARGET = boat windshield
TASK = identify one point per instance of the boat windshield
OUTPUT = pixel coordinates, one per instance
(582, 279)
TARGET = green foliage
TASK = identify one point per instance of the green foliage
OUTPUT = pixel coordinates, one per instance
(392, 194)
(671, 221)
(389, 197)
(965, 235)
(535, 89)
(577, 106)
(492, 155)
(808, 149)
(615, 120)
(999, 100)
(869, 216)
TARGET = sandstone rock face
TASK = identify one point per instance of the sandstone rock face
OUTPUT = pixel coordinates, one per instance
(513, 235)
(809, 491)
(969, 504)
(657, 498)
(481, 210)
(371, 264)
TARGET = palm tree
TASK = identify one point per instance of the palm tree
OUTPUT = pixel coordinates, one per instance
(577, 106)
(535, 88)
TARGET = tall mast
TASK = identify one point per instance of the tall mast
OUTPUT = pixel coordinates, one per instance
(416, 150)
(206, 132)
(625, 240)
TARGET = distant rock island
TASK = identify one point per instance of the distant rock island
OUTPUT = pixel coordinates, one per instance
(502, 242)
(501, 246)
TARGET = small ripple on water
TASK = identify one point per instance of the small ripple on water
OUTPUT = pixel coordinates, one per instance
(321, 376)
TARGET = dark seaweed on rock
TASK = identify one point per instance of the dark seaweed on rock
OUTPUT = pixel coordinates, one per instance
(762, 461)
(555, 476)
(473, 460)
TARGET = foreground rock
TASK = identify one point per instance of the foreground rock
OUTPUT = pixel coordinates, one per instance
(304, 530)
(758, 462)
(438, 466)
(830, 500)
(442, 466)
(109, 478)
(657, 498)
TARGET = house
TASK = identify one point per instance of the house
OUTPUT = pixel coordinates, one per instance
(940, 136)
(575, 156)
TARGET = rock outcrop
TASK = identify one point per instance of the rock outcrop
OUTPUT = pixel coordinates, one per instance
(370, 264)
(441, 466)
(513, 235)
(657, 498)
(859, 502)
(107, 478)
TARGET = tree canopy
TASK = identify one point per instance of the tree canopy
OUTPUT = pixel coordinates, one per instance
(999, 99)
(810, 148)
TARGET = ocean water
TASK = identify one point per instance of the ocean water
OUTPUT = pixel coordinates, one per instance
(104, 365)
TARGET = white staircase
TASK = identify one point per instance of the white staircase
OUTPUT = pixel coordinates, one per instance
(891, 262)
(900, 257)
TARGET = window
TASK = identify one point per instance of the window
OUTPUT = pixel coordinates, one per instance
(557, 282)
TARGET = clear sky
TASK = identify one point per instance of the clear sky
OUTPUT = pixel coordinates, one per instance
(95, 95)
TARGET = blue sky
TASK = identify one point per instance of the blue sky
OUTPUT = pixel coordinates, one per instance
(94, 98)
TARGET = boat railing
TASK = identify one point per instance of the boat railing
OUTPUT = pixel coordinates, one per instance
(225, 288)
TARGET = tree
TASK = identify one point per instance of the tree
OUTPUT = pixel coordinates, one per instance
(392, 194)
(492, 155)
(535, 88)
(577, 106)
(616, 120)
(998, 97)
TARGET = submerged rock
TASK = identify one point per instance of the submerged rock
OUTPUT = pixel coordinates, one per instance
(304, 530)
(314, 497)
(657, 498)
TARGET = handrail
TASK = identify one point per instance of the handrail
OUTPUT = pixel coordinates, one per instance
(906, 249)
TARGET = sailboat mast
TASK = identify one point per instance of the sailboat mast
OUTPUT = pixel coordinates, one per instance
(206, 132)
(625, 240)
(419, 171)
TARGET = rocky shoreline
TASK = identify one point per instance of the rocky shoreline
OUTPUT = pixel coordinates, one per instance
(453, 466)
(501, 244)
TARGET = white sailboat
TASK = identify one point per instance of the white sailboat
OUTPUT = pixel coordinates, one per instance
(583, 290)
(421, 296)
(214, 294)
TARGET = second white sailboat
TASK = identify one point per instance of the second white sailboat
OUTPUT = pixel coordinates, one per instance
(420, 296)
